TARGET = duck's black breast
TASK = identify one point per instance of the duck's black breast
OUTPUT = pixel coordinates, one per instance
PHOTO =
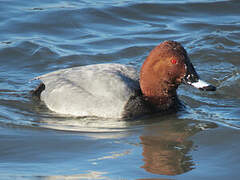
(138, 105)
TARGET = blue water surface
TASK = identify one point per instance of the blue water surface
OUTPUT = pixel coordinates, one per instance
(199, 142)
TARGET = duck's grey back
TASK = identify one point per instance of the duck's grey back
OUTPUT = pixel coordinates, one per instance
(94, 90)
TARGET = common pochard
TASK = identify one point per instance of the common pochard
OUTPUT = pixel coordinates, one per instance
(117, 90)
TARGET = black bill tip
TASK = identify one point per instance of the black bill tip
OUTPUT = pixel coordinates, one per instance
(208, 88)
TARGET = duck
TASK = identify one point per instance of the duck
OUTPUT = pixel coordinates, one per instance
(112, 90)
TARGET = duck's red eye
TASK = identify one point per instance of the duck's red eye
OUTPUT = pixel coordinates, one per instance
(173, 61)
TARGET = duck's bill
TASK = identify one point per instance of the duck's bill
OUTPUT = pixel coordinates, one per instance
(202, 85)
(192, 79)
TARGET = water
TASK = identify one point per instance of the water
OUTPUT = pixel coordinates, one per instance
(200, 142)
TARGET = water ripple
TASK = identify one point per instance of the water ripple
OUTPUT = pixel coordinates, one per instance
(43, 37)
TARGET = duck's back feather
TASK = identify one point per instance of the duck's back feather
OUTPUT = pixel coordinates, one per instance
(95, 90)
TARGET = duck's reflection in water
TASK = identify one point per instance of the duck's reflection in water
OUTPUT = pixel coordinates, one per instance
(167, 146)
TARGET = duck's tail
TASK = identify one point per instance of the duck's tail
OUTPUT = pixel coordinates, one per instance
(37, 91)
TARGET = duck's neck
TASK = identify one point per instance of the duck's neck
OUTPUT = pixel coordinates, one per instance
(161, 96)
